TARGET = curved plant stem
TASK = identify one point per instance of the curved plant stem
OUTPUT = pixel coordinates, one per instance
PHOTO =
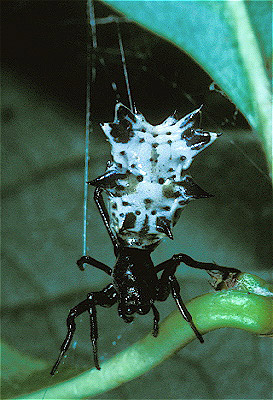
(241, 307)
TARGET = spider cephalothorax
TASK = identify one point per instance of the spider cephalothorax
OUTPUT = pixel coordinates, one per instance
(146, 188)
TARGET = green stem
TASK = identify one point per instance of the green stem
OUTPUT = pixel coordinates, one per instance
(240, 308)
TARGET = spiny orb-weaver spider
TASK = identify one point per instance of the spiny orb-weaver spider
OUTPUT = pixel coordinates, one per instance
(146, 190)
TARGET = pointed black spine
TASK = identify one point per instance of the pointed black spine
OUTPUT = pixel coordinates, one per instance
(107, 180)
(129, 222)
(192, 190)
(163, 225)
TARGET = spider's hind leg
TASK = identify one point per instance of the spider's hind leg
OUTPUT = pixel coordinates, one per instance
(105, 298)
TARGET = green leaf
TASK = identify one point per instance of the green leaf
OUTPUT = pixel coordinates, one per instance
(231, 40)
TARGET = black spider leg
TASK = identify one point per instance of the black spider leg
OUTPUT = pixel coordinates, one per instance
(168, 281)
(156, 320)
(178, 258)
(105, 298)
(95, 263)
(105, 216)
(169, 268)
(182, 308)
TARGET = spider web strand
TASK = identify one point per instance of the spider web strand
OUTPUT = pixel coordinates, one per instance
(125, 72)
(90, 78)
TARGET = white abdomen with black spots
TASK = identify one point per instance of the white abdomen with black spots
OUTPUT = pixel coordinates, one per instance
(147, 187)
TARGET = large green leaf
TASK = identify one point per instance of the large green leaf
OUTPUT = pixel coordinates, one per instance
(231, 40)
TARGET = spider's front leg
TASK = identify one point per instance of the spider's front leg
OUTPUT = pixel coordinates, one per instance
(95, 263)
(224, 273)
(181, 257)
(105, 298)
(104, 215)
(168, 283)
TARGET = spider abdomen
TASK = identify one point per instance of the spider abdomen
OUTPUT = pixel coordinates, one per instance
(148, 186)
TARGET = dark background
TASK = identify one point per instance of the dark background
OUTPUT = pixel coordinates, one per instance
(47, 41)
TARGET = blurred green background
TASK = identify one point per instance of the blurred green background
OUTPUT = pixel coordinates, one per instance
(43, 124)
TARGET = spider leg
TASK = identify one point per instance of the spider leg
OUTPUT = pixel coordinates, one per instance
(92, 261)
(105, 216)
(71, 327)
(182, 308)
(105, 298)
(93, 329)
(167, 283)
(178, 258)
(156, 320)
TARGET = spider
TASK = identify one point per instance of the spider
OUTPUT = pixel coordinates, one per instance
(146, 190)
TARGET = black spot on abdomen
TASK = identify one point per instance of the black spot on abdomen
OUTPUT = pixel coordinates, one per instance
(121, 132)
